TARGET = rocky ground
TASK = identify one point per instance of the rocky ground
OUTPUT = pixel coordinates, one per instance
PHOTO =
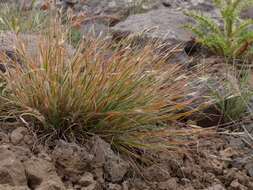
(217, 161)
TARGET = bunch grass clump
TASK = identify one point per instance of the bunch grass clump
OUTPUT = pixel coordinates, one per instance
(231, 38)
(123, 94)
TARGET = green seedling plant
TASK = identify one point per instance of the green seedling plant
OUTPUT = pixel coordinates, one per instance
(234, 105)
(230, 38)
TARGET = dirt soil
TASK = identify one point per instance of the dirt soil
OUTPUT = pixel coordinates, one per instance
(215, 162)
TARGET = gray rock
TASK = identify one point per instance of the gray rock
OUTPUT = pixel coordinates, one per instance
(112, 186)
(18, 135)
(114, 167)
(247, 13)
(169, 184)
(235, 185)
(216, 187)
(9, 187)
(240, 163)
(4, 138)
(157, 173)
(42, 173)
(12, 171)
(22, 4)
(72, 158)
(201, 3)
(50, 185)
(87, 181)
(249, 126)
(250, 170)
(71, 1)
(236, 142)
(118, 7)
(205, 7)
(9, 42)
(95, 29)
(165, 24)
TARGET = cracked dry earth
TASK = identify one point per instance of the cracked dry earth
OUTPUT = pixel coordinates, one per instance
(215, 163)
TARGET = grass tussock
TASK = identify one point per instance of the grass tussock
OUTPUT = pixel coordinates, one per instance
(123, 94)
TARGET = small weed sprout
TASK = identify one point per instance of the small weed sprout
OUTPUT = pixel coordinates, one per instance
(234, 105)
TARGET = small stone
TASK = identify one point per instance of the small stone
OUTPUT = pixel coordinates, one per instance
(156, 173)
(166, 3)
(51, 185)
(235, 185)
(115, 168)
(250, 170)
(18, 135)
(12, 171)
(9, 187)
(71, 1)
(87, 181)
(185, 181)
(72, 158)
(242, 178)
(77, 186)
(40, 171)
(189, 187)
(99, 174)
(169, 184)
(125, 185)
(247, 13)
(141, 184)
(236, 142)
(239, 162)
(216, 187)
(112, 186)
(28, 140)
(3, 138)
(250, 185)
